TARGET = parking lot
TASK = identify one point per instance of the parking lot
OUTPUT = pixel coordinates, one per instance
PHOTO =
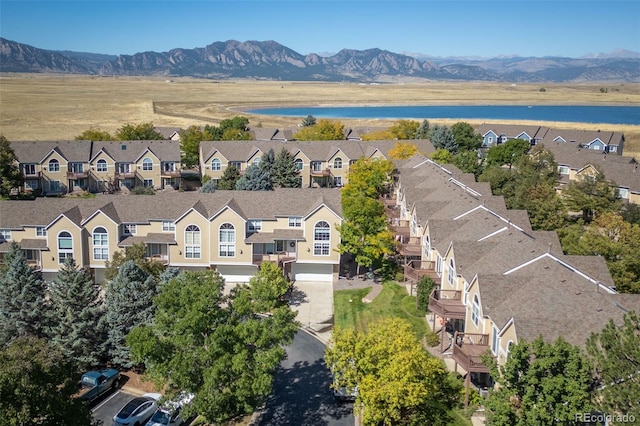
(108, 406)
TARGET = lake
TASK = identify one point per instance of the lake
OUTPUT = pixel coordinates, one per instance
(561, 113)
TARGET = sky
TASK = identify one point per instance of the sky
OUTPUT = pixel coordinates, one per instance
(570, 28)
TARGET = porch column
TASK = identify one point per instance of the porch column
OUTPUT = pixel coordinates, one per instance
(467, 383)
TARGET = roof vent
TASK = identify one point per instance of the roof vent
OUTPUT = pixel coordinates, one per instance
(123, 147)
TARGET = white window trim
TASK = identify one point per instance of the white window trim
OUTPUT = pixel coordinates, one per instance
(254, 225)
(168, 226)
(193, 248)
(101, 162)
(128, 227)
(67, 252)
(322, 247)
(475, 310)
(102, 248)
(148, 164)
(230, 246)
(295, 222)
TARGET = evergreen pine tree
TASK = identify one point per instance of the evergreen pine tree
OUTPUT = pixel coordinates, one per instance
(24, 310)
(229, 178)
(129, 300)
(285, 174)
(78, 310)
(256, 178)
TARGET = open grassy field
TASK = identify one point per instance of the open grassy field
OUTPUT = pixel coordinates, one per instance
(50, 107)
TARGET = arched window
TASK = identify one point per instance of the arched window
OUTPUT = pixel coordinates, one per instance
(100, 244)
(54, 165)
(321, 239)
(452, 271)
(475, 310)
(227, 240)
(101, 166)
(147, 164)
(192, 242)
(216, 165)
(337, 163)
(65, 246)
(509, 344)
(256, 161)
(298, 163)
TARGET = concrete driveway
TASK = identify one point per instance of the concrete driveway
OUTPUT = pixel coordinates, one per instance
(313, 301)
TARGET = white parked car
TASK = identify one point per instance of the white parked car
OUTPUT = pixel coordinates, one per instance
(137, 411)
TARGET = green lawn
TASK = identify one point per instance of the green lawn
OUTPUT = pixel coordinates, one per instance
(393, 301)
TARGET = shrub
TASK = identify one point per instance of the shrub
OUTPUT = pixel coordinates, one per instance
(423, 289)
(142, 190)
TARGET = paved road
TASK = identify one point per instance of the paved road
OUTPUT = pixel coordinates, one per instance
(301, 390)
(109, 405)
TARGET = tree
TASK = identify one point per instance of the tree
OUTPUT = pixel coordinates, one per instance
(37, 383)
(403, 150)
(229, 178)
(592, 196)
(466, 137)
(397, 382)
(631, 213)
(423, 130)
(24, 308)
(507, 153)
(615, 354)
(424, 287)
(217, 347)
(541, 383)
(285, 173)
(208, 187)
(10, 175)
(93, 134)
(190, 145)
(77, 315)
(469, 162)
(442, 138)
(308, 121)
(404, 129)
(140, 132)
(323, 130)
(613, 238)
(236, 123)
(233, 134)
(255, 178)
(442, 156)
(137, 253)
(129, 300)
(268, 287)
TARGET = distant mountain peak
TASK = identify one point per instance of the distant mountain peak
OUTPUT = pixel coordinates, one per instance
(274, 61)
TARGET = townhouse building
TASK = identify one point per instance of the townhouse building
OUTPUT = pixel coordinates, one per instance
(232, 232)
(498, 281)
(595, 140)
(320, 163)
(59, 167)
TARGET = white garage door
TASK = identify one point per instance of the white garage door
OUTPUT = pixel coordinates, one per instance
(313, 272)
(236, 273)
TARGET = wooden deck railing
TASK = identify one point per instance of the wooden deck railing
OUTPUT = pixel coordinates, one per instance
(467, 351)
(447, 304)
(416, 269)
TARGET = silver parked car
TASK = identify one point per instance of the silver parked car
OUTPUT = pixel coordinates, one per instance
(137, 411)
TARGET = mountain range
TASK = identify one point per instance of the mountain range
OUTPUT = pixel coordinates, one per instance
(269, 60)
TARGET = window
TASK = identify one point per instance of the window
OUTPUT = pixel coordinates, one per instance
(129, 229)
(77, 167)
(5, 234)
(147, 183)
(147, 164)
(452, 272)
(54, 165)
(236, 164)
(623, 193)
(337, 181)
(65, 246)
(41, 231)
(475, 310)
(321, 237)
(168, 226)
(299, 164)
(227, 245)
(100, 244)
(255, 225)
(295, 222)
(124, 167)
(495, 340)
(256, 161)
(427, 245)
(101, 165)
(216, 165)
(563, 170)
(337, 163)
(192, 242)
(32, 184)
(29, 169)
(316, 166)
(54, 186)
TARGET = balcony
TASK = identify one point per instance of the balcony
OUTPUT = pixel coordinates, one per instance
(400, 228)
(31, 175)
(467, 351)
(389, 200)
(277, 258)
(125, 175)
(416, 269)
(77, 175)
(34, 264)
(410, 246)
(170, 173)
(447, 304)
(320, 173)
